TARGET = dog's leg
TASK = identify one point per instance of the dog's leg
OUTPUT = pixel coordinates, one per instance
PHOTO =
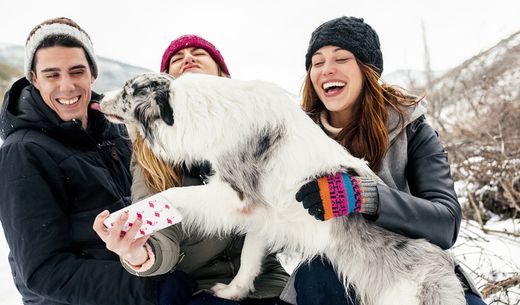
(253, 252)
(211, 208)
(215, 208)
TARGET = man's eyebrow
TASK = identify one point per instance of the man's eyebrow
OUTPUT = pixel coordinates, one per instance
(50, 70)
(78, 67)
(58, 69)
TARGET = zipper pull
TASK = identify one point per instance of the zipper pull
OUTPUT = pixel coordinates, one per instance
(111, 146)
(113, 151)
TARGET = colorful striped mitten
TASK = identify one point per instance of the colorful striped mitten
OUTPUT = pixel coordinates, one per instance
(337, 195)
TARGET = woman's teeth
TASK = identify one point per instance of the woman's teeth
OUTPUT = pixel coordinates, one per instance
(332, 85)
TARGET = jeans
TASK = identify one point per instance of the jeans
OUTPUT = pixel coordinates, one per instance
(317, 283)
(205, 298)
(175, 288)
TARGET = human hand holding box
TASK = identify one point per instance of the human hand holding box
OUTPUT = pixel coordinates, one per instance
(156, 212)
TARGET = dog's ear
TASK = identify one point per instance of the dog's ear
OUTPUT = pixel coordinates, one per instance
(162, 98)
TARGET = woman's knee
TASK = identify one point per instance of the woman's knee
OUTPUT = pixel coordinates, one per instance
(473, 299)
(205, 298)
(318, 283)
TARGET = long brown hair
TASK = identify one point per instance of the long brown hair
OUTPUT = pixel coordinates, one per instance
(158, 174)
(366, 136)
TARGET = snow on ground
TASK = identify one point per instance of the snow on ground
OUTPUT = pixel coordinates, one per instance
(491, 256)
(9, 294)
(495, 255)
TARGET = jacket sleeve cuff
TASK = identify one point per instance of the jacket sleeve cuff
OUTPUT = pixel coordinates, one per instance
(370, 195)
(144, 266)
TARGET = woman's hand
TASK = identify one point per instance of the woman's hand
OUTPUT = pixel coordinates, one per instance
(333, 196)
(123, 244)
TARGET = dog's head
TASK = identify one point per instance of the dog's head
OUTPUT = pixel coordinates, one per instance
(142, 100)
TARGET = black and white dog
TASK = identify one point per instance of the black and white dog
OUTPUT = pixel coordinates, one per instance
(262, 148)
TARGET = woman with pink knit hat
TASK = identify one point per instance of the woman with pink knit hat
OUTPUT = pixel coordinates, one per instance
(200, 262)
(191, 53)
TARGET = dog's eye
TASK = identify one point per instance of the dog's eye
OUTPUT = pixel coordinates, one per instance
(140, 92)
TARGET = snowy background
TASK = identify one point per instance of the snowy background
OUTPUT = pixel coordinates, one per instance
(268, 39)
(491, 256)
(9, 294)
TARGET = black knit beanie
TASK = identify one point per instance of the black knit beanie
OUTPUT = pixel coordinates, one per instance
(351, 34)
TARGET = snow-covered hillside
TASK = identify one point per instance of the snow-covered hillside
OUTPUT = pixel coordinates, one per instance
(482, 82)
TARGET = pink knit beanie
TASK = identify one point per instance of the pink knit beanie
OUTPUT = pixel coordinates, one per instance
(192, 41)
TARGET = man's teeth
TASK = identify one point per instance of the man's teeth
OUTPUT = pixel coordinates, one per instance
(333, 84)
(70, 101)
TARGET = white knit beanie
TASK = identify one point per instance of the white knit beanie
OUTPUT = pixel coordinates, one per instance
(52, 29)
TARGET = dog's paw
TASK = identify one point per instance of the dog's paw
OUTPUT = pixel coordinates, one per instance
(231, 292)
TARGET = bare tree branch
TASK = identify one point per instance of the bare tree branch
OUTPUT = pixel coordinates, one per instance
(494, 287)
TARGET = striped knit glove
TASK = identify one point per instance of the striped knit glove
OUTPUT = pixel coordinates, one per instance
(337, 195)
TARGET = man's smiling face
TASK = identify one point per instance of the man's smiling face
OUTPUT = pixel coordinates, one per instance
(63, 77)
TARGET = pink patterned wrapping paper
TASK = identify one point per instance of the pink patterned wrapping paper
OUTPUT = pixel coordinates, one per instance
(155, 211)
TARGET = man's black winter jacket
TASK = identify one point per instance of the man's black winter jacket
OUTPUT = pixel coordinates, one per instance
(55, 178)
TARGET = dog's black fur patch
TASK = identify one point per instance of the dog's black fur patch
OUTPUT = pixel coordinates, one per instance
(249, 163)
(202, 170)
(146, 111)
(401, 244)
(165, 109)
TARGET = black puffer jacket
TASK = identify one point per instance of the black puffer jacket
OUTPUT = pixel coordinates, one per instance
(56, 177)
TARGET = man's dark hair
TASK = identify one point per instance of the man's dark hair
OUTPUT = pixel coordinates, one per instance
(61, 41)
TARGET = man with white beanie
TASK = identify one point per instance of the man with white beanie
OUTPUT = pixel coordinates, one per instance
(63, 163)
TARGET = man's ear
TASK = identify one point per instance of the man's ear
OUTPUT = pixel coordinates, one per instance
(162, 98)
(35, 80)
